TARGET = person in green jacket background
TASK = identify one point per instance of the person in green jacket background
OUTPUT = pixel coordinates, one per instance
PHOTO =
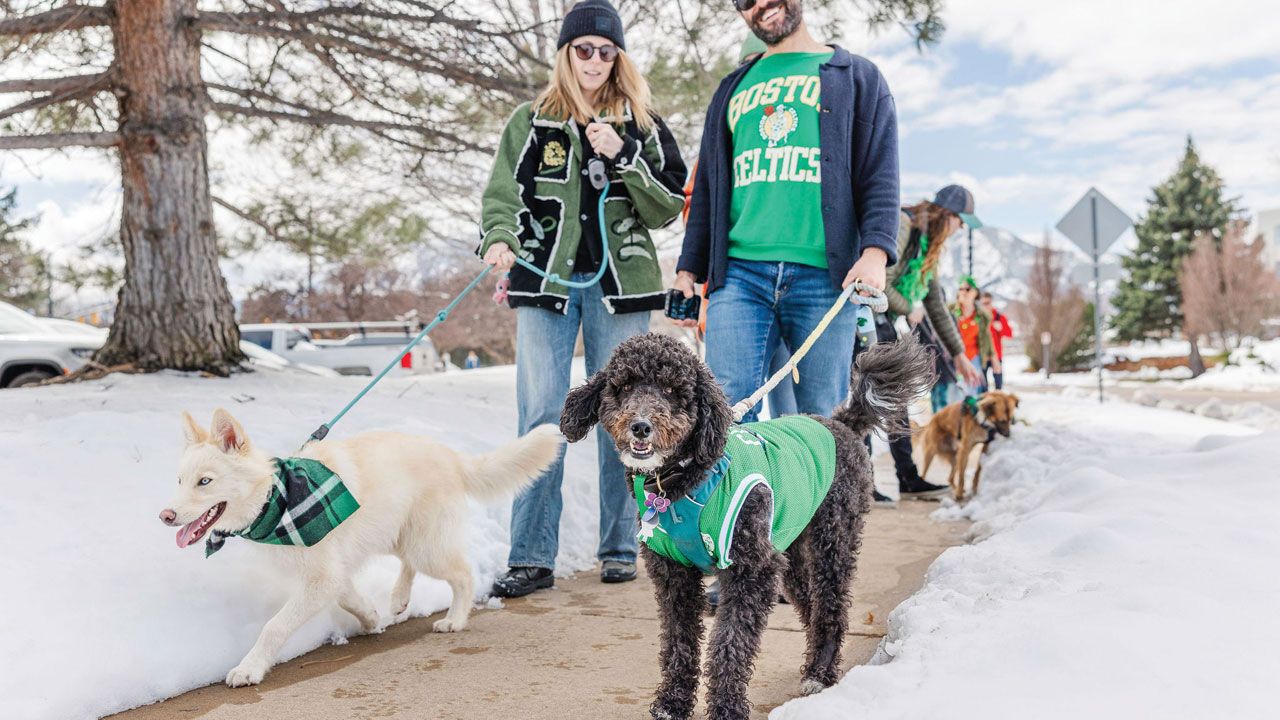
(540, 205)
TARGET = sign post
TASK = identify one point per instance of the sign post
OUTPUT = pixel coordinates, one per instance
(1094, 224)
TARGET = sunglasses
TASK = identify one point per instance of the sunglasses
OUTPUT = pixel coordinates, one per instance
(608, 53)
(744, 5)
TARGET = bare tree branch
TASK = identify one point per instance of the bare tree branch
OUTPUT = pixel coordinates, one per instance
(51, 85)
(321, 118)
(59, 140)
(81, 90)
(69, 17)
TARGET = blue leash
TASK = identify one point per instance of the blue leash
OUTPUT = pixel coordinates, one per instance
(604, 243)
(443, 315)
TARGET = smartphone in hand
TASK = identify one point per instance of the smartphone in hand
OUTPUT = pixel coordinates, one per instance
(679, 307)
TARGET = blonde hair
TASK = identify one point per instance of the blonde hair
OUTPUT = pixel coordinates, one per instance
(563, 97)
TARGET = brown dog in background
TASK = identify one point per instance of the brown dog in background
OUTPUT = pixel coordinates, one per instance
(957, 428)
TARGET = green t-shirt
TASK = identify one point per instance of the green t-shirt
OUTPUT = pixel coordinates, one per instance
(776, 211)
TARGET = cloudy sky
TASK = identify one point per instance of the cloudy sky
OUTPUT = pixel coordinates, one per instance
(1031, 102)
(1028, 102)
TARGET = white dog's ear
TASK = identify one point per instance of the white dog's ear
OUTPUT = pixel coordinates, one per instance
(192, 431)
(227, 433)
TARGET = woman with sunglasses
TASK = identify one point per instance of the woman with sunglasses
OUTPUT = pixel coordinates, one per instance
(592, 122)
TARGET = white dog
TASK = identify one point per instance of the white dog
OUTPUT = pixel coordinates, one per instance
(412, 504)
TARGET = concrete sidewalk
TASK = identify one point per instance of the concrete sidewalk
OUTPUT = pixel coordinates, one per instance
(584, 650)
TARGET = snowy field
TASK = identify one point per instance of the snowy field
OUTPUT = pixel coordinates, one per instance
(1123, 565)
(103, 612)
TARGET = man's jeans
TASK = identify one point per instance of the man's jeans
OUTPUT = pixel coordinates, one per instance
(544, 352)
(763, 304)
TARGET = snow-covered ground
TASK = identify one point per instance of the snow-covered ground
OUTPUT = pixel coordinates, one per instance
(103, 612)
(1123, 565)
(1253, 368)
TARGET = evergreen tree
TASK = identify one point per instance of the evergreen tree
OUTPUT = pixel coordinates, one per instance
(21, 268)
(1191, 202)
(1079, 353)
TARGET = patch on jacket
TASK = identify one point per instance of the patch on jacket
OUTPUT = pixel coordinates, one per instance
(553, 154)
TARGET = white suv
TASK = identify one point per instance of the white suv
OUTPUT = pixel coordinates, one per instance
(32, 351)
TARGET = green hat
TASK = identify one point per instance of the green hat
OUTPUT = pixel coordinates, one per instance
(751, 46)
(968, 280)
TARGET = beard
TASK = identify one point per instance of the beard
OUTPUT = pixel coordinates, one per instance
(791, 17)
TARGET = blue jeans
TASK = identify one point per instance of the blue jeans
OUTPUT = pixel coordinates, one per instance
(982, 373)
(544, 352)
(763, 304)
(782, 399)
(939, 396)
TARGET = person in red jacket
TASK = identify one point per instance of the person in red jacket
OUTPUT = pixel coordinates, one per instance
(1000, 329)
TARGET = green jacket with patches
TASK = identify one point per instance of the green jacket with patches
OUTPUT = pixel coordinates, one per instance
(532, 204)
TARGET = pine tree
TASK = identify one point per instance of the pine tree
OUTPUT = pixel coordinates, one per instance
(21, 268)
(1080, 352)
(1191, 202)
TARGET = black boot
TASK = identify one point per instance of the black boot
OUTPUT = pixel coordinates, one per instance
(921, 489)
(881, 500)
(521, 581)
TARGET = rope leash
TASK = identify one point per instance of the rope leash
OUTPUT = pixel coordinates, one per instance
(875, 300)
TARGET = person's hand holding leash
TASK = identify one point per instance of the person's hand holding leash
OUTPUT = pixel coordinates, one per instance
(916, 315)
(604, 140)
(968, 371)
(869, 269)
(500, 256)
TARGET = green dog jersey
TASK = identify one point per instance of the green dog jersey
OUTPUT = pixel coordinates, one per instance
(793, 457)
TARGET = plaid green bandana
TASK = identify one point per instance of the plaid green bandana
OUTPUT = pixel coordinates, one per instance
(307, 501)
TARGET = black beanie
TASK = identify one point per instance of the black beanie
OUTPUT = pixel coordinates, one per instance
(592, 17)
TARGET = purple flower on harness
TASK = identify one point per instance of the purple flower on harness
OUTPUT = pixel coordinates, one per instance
(655, 504)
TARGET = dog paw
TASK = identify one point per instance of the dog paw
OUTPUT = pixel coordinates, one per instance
(247, 673)
(446, 625)
(809, 686)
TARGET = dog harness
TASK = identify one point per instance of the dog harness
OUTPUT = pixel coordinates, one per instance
(793, 457)
(971, 407)
(307, 501)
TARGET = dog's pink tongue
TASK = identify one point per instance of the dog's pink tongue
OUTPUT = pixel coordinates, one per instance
(187, 534)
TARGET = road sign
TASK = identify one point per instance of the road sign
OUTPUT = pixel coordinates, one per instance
(1077, 224)
(1094, 224)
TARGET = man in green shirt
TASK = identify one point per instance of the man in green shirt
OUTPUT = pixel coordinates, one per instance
(796, 197)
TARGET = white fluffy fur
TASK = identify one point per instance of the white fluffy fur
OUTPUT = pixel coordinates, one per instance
(412, 494)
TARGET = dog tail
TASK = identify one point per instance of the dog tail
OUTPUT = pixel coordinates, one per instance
(513, 466)
(885, 379)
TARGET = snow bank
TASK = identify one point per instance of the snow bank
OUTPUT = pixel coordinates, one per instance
(103, 612)
(1253, 368)
(1123, 565)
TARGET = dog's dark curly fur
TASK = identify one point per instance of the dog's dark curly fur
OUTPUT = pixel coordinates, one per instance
(670, 419)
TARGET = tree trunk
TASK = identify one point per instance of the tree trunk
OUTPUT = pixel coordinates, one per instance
(174, 309)
(1195, 360)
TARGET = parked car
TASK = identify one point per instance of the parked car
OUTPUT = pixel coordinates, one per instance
(261, 357)
(32, 350)
(361, 353)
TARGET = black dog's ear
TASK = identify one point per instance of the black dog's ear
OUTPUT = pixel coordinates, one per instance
(706, 441)
(582, 408)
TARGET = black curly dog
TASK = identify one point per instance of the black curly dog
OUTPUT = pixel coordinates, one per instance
(666, 412)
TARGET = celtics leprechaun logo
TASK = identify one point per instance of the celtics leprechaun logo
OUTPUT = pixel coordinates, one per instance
(778, 122)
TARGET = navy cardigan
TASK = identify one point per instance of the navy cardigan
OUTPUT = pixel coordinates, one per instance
(858, 133)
